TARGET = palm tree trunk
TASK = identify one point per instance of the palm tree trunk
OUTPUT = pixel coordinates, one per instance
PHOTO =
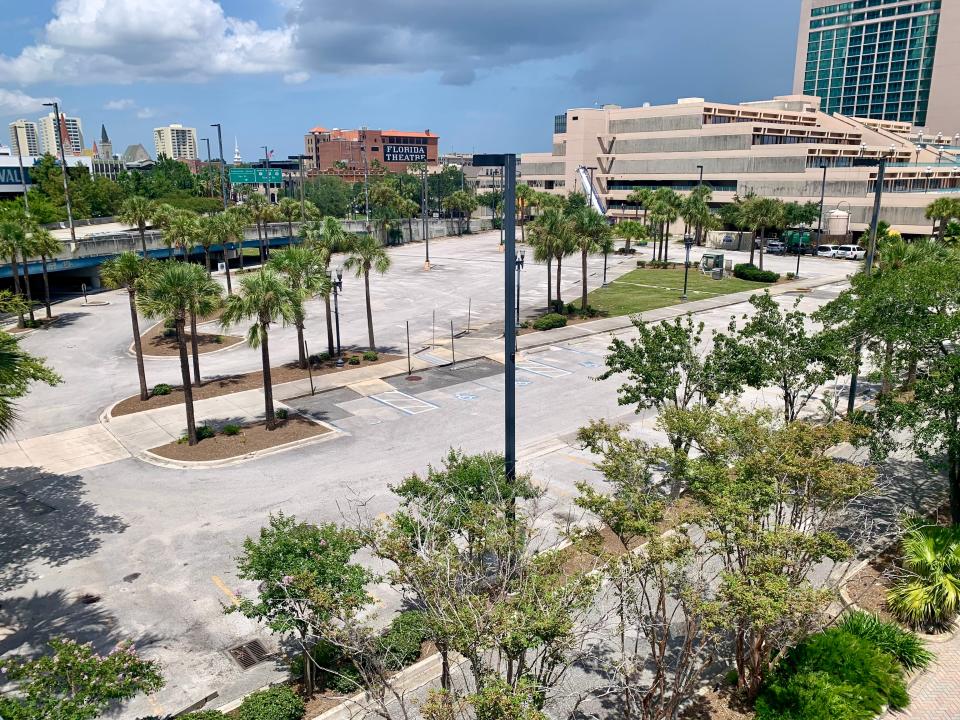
(886, 384)
(290, 228)
(185, 380)
(329, 317)
(194, 348)
(301, 353)
(26, 285)
(549, 287)
(523, 229)
(137, 346)
(941, 229)
(559, 299)
(143, 242)
(762, 234)
(366, 289)
(263, 258)
(666, 241)
(226, 267)
(410, 229)
(267, 379)
(753, 249)
(16, 285)
(206, 259)
(583, 273)
(46, 286)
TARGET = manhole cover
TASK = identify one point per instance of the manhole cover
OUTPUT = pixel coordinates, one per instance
(88, 599)
(413, 378)
(249, 654)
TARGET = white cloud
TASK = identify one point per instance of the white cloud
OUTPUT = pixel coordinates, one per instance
(15, 102)
(296, 78)
(144, 113)
(122, 104)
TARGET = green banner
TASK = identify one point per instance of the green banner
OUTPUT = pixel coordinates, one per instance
(256, 176)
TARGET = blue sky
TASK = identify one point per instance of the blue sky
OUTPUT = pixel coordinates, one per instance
(484, 76)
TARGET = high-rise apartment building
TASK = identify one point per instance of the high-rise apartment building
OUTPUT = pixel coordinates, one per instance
(23, 138)
(70, 132)
(176, 142)
(882, 59)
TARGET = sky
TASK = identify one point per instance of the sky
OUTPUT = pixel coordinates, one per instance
(486, 76)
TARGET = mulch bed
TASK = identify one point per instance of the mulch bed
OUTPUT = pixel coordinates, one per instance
(227, 384)
(868, 588)
(251, 438)
(44, 322)
(571, 320)
(156, 345)
(717, 705)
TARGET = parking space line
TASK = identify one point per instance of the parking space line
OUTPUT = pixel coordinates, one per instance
(539, 368)
(407, 404)
(225, 590)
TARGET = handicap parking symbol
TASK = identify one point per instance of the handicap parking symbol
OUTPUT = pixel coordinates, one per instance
(590, 364)
(521, 383)
(465, 396)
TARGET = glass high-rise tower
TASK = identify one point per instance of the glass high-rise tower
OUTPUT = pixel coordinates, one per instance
(882, 59)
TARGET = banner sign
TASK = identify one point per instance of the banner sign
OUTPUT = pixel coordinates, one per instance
(404, 153)
(11, 176)
(256, 176)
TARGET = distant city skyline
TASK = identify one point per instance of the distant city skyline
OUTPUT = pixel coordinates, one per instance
(483, 78)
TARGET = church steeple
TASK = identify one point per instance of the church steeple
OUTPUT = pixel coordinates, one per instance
(105, 151)
(103, 134)
(236, 152)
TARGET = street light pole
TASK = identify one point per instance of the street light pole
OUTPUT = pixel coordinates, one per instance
(700, 181)
(266, 165)
(63, 166)
(207, 141)
(336, 280)
(223, 167)
(871, 248)
(687, 243)
(423, 213)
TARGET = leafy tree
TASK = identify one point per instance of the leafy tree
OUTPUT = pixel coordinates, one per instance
(778, 348)
(182, 230)
(266, 299)
(640, 198)
(74, 682)
(667, 369)
(18, 369)
(169, 293)
(305, 270)
(366, 253)
(130, 272)
(330, 194)
(591, 230)
(463, 203)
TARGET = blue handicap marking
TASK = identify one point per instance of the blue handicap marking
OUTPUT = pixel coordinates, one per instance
(590, 364)
(521, 383)
(465, 396)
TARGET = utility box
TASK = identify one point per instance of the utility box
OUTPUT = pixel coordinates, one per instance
(711, 261)
(717, 273)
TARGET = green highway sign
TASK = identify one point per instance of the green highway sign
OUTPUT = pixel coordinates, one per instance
(256, 176)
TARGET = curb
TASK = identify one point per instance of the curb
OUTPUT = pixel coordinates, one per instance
(133, 354)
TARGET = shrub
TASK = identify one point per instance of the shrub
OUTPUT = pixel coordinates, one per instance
(790, 276)
(205, 432)
(276, 703)
(170, 333)
(202, 715)
(354, 360)
(169, 324)
(231, 429)
(400, 643)
(218, 339)
(549, 321)
(833, 674)
(282, 414)
(162, 389)
(930, 595)
(333, 670)
(641, 263)
(909, 650)
(318, 358)
(570, 309)
(370, 356)
(746, 271)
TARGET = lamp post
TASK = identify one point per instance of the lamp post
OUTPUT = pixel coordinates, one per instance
(700, 181)
(223, 168)
(266, 165)
(871, 249)
(299, 159)
(336, 281)
(518, 262)
(423, 213)
(207, 141)
(687, 244)
(63, 166)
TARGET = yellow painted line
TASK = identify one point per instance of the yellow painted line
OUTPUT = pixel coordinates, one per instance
(157, 707)
(225, 590)
(580, 460)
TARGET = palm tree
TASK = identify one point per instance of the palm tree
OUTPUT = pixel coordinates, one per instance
(761, 214)
(207, 236)
(183, 229)
(238, 219)
(17, 370)
(525, 197)
(305, 270)
(130, 271)
(553, 239)
(641, 198)
(259, 211)
(327, 235)
(163, 215)
(12, 239)
(266, 298)
(168, 293)
(366, 254)
(591, 229)
(206, 298)
(408, 209)
(288, 209)
(664, 211)
(26, 251)
(696, 210)
(138, 211)
(46, 246)
(631, 230)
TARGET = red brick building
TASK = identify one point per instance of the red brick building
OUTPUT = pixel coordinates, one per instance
(347, 153)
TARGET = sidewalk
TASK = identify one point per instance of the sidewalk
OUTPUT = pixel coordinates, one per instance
(935, 694)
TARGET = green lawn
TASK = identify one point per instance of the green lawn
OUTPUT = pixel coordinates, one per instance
(648, 289)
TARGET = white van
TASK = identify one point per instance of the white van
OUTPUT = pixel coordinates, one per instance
(851, 252)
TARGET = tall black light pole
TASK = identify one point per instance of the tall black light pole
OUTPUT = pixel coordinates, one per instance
(336, 281)
(223, 166)
(63, 166)
(700, 181)
(207, 141)
(518, 262)
(509, 164)
(871, 248)
(303, 207)
(687, 244)
(423, 214)
(23, 175)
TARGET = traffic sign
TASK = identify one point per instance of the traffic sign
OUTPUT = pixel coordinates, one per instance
(256, 176)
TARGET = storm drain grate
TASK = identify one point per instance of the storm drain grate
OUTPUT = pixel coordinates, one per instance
(249, 654)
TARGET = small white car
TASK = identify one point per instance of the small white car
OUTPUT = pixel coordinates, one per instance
(851, 252)
(827, 251)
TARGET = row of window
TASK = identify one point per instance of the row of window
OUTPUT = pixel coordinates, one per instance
(918, 184)
(857, 5)
(560, 123)
(874, 14)
(761, 139)
(400, 140)
(814, 161)
(718, 185)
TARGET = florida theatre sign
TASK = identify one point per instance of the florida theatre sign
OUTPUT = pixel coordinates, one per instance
(404, 153)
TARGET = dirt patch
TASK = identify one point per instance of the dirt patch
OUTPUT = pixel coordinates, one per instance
(251, 438)
(717, 705)
(42, 323)
(868, 588)
(224, 385)
(156, 344)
